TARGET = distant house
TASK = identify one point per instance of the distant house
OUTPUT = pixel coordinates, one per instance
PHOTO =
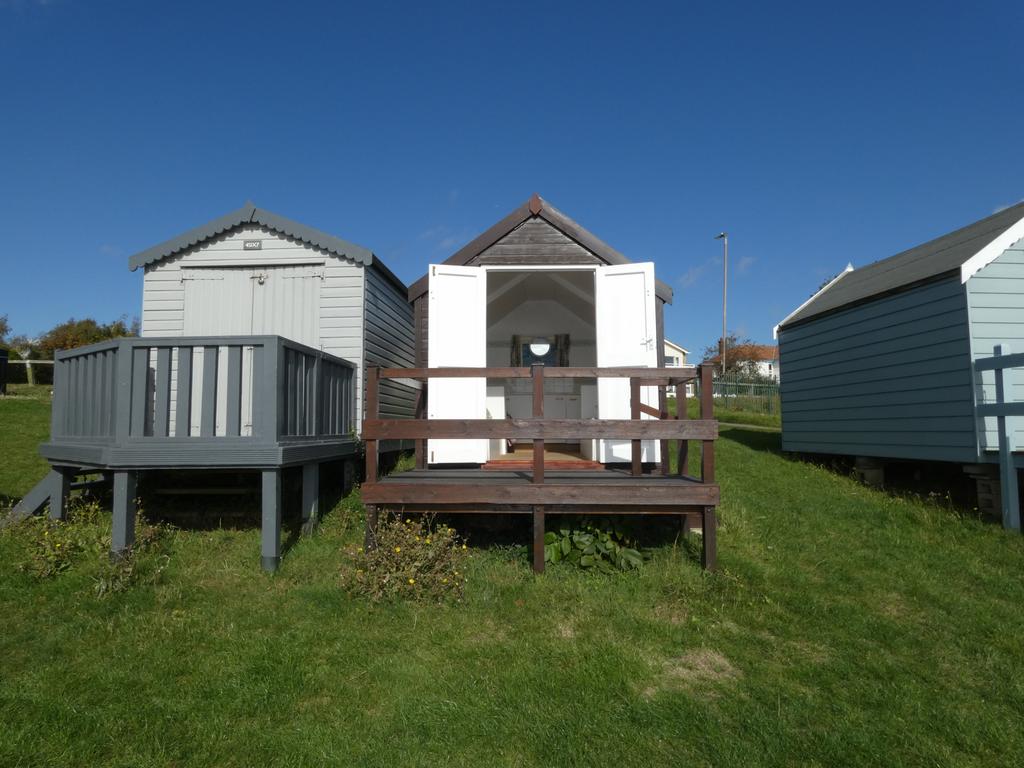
(879, 361)
(761, 360)
(675, 357)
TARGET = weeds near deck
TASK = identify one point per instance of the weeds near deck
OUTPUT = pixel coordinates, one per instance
(411, 560)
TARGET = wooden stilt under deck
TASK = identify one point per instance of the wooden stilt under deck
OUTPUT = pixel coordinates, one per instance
(310, 496)
(123, 531)
(270, 538)
(538, 539)
(60, 492)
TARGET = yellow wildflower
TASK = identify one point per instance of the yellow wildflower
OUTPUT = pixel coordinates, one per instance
(428, 541)
(412, 581)
(463, 546)
(397, 550)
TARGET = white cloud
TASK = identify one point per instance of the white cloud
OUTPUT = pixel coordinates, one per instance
(444, 239)
(692, 275)
(744, 264)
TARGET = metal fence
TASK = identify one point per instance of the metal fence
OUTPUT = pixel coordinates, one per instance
(751, 396)
(42, 371)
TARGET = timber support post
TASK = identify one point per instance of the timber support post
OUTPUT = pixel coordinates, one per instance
(310, 496)
(59, 491)
(870, 471)
(270, 533)
(709, 539)
(123, 531)
(538, 539)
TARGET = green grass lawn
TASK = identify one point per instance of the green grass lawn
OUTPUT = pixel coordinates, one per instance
(846, 627)
(731, 415)
(24, 424)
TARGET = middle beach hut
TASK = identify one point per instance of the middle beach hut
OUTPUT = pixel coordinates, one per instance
(537, 288)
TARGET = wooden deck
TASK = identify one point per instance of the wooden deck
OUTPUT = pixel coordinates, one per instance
(539, 489)
(214, 402)
(555, 457)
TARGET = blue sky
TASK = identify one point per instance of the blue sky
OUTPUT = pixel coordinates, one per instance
(815, 134)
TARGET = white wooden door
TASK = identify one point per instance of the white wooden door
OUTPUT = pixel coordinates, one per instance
(218, 302)
(626, 336)
(245, 301)
(286, 302)
(457, 337)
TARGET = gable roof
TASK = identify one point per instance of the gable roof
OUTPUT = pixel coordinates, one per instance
(966, 250)
(536, 206)
(250, 214)
(672, 344)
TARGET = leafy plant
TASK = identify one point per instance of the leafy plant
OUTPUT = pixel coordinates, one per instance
(599, 544)
(54, 545)
(411, 560)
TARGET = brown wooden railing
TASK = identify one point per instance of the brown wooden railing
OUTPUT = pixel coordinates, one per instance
(540, 429)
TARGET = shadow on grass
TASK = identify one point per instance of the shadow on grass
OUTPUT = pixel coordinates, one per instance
(756, 439)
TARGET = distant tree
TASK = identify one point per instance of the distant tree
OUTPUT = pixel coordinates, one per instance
(77, 333)
(5, 328)
(733, 365)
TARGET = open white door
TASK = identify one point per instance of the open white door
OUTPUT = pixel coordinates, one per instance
(626, 335)
(457, 337)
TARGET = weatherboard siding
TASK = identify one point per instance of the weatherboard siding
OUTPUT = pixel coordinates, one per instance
(341, 290)
(390, 341)
(995, 295)
(535, 241)
(887, 378)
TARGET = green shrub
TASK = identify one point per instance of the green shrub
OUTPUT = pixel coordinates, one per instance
(412, 560)
(54, 545)
(600, 544)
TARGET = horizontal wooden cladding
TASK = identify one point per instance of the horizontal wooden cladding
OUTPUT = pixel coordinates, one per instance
(636, 494)
(650, 376)
(541, 429)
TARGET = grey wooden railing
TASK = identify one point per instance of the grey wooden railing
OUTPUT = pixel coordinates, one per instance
(1004, 409)
(259, 389)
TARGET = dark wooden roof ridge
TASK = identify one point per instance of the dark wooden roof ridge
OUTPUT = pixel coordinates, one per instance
(250, 213)
(536, 206)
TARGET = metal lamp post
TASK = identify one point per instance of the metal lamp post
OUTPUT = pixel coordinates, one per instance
(724, 237)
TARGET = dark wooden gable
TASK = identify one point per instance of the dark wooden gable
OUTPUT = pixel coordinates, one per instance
(535, 241)
(535, 233)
